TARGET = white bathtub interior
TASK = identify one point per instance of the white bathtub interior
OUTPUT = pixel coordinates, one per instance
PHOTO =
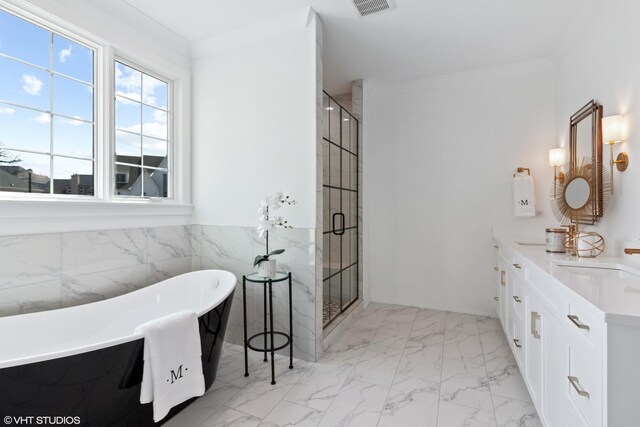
(68, 331)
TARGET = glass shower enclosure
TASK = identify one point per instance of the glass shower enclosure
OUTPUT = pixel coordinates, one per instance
(340, 211)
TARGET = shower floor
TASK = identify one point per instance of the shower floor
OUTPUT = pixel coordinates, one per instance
(327, 308)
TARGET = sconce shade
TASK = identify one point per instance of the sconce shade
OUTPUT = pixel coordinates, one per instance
(613, 129)
(556, 157)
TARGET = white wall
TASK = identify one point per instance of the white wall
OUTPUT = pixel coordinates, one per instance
(256, 101)
(603, 64)
(254, 121)
(438, 163)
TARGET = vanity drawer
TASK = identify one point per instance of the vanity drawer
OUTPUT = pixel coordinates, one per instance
(519, 298)
(584, 380)
(581, 322)
(518, 339)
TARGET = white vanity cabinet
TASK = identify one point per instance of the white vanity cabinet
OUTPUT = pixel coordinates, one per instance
(557, 342)
(574, 332)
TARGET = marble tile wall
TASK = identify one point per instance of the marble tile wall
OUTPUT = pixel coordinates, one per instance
(234, 248)
(48, 271)
(358, 108)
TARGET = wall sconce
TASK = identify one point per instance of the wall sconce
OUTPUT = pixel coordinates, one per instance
(556, 158)
(613, 133)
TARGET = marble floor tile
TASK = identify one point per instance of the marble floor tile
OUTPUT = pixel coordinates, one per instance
(319, 386)
(463, 345)
(231, 365)
(465, 384)
(357, 404)
(227, 417)
(488, 323)
(426, 336)
(378, 365)
(494, 344)
(505, 379)
(429, 320)
(371, 319)
(411, 402)
(348, 349)
(515, 413)
(452, 415)
(289, 414)
(461, 322)
(392, 336)
(392, 366)
(204, 406)
(422, 362)
(259, 397)
(403, 315)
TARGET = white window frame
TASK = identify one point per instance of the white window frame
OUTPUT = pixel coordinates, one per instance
(170, 134)
(104, 123)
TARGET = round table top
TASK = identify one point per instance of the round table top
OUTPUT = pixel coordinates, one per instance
(280, 276)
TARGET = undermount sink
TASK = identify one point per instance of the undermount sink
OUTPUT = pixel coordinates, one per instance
(531, 243)
(611, 271)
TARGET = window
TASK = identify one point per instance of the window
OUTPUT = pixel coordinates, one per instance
(141, 133)
(47, 123)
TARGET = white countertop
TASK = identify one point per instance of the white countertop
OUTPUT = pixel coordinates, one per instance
(613, 287)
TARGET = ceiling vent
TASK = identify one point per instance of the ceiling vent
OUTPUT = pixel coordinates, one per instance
(370, 7)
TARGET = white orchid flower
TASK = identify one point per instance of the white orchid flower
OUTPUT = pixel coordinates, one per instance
(274, 201)
(262, 210)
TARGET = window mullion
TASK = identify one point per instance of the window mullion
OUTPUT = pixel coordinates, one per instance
(107, 134)
(51, 178)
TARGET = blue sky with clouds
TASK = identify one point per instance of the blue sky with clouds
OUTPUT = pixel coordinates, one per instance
(68, 94)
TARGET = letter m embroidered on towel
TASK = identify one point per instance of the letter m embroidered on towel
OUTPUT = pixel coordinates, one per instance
(524, 202)
(175, 376)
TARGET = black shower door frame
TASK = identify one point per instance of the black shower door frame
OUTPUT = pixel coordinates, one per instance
(336, 224)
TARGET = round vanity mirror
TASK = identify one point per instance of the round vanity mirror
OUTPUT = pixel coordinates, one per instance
(577, 193)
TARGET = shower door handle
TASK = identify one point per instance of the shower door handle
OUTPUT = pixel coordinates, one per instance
(340, 231)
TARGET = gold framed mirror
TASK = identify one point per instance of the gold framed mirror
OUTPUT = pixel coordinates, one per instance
(585, 153)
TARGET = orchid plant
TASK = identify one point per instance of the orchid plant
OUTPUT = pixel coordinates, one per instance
(269, 222)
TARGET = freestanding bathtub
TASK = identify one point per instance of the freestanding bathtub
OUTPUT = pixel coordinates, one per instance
(83, 365)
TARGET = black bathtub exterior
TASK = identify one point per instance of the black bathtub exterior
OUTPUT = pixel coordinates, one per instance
(101, 387)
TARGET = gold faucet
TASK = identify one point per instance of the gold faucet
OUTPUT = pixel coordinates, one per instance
(630, 251)
(570, 242)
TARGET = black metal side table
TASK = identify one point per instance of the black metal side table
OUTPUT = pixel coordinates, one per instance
(267, 284)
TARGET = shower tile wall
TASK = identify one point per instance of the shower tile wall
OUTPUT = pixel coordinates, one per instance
(48, 271)
(234, 248)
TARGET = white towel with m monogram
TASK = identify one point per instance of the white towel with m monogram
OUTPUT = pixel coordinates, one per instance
(172, 364)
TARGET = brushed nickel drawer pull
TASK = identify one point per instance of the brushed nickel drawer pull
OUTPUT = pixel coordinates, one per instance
(577, 322)
(496, 246)
(503, 278)
(576, 385)
(517, 298)
(496, 298)
(534, 329)
(517, 343)
(496, 268)
(518, 266)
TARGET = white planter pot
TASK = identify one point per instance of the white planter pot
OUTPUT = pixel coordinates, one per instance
(267, 269)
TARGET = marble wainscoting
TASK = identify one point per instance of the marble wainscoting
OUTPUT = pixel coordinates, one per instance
(48, 271)
(233, 249)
